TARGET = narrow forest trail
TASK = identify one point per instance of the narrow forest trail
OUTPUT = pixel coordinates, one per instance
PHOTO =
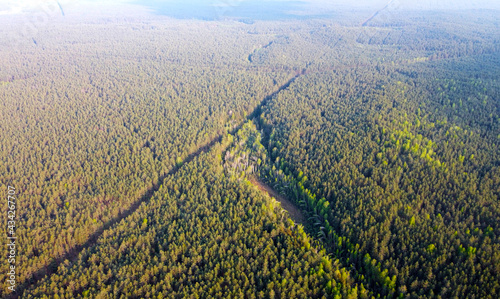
(294, 212)
(74, 252)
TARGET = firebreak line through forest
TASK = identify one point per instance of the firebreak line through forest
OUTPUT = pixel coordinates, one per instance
(72, 254)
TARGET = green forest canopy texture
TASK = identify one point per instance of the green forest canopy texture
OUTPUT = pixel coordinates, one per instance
(132, 144)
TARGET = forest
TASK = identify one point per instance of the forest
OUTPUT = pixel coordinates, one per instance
(138, 148)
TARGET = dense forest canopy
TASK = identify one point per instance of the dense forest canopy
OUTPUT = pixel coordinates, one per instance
(134, 139)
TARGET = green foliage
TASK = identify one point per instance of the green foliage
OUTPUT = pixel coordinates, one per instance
(387, 138)
(375, 151)
(198, 244)
(96, 131)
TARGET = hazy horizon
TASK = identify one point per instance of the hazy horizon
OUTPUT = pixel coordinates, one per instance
(266, 7)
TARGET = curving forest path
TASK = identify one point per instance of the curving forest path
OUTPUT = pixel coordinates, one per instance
(258, 49)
